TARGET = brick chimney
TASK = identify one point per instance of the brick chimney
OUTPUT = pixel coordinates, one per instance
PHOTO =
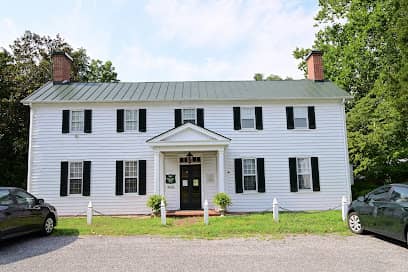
(315, 65)
(61, 67)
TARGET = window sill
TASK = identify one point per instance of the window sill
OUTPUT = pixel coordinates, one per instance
(249, 129)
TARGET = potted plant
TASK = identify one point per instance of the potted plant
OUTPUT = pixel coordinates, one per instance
(154, 202)
(222, 200)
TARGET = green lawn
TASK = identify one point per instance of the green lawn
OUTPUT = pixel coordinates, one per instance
(251, 225)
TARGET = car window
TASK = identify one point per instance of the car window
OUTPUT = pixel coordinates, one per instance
(381, 194)
(399, 194)
(5, 198)
(24, 198)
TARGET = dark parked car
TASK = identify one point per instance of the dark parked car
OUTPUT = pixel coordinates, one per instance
(383, 211)
(21, 213)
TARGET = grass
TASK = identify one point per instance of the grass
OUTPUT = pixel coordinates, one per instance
(251, 225)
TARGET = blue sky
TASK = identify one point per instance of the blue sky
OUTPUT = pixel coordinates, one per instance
(171, 39)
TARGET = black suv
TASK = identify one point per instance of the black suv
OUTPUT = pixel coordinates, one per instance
(21, 213)
(383, 211)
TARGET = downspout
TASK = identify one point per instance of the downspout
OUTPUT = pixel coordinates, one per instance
(30, 149)
(346, 153)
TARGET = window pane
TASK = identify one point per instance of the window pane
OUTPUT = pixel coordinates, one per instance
(75, 186)
(131, 120)
(23, 198)
(247, 123)
(304, 182)
(301, 123)
(130, 185)
(399, 194)
(248, 117)
(249, 167)
(249, 183)
(189, 116)
(303, 165)
(75, 170)
(5, 198)
(300, 116)
(77, 121)
(130, 169)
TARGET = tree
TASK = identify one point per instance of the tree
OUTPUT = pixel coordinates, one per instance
(260, 77)
(365, 52)
(23, 70)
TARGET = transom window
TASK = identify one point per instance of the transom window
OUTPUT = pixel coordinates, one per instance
(300, 117)
(131, 117)
(304, 173)
(77, 121)
(130, 176)
(75, 177)
(189, 116)
(248, 117)
(249, 174)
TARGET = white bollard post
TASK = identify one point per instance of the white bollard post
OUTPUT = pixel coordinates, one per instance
(89, 213)
(275, 209)
(344, 208)
(206, 212)
(163, 213)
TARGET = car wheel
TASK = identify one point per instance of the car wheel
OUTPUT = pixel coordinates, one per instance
(354, 223)
(48, 226)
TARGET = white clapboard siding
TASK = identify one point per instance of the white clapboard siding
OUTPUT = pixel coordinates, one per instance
(104, 146)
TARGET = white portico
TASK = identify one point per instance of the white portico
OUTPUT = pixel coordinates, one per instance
(188, 165)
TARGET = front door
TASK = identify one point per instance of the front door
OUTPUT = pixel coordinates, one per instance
(190, 187)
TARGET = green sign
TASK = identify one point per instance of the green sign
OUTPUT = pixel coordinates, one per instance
(170, 179)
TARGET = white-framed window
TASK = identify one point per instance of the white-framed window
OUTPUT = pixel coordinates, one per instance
(304, 173)
(130, 177)
(75, 177)
(77, 121)
(131, 120)
(300, 117)
(189, 116)
(247, 117)
(249, 174)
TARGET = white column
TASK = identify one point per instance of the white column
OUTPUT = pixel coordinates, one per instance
(220, 168)
(157, 172)
(161, 174)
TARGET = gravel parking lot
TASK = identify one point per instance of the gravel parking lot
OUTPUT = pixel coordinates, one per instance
(297, 253)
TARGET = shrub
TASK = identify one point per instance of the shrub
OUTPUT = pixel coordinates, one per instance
(154, 202)
(222, 200)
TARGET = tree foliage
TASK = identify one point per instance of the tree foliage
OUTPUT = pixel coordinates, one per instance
(23, 70)
(260, 77)
(365, 52)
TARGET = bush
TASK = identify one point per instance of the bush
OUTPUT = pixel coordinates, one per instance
(154, 202)
(222, 200)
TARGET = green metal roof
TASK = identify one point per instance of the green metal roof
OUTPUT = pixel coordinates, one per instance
(185, 91)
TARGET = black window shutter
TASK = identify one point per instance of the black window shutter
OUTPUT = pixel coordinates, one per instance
(142, 177)
(200, 117)
(142, 120)
(258, 118)
(119, 177)
(315, 174)
(311, 117)
(65, 121)
(88, 121)
(260, 169)
(237, 118)
(64, 179)
(293, 175)
(238, 176)
(120, 120)
(290, 122)
(177, 117)
(86, 185)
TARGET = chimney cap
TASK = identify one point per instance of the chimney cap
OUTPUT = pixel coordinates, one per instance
(314, 52)
(59, 52)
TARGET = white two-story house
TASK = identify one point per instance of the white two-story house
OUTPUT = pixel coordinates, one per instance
(117, 143)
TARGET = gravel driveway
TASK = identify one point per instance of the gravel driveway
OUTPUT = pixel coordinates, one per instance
(297, 253)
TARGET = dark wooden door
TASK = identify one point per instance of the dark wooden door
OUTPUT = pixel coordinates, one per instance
(190, 187)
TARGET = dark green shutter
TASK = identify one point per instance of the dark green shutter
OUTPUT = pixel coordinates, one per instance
(64, 179)
(65, 121)
(290, 122)
(258, 118)
(142, 120)
(88, 121)
(119, 177)
(293, 175)
(177, 118)
(311, 117)
(315, 174)
(238, 176)
(86, 185)
(120, 120)
(237, 118)
(142, 177)
(200, 117)
(260, 169)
